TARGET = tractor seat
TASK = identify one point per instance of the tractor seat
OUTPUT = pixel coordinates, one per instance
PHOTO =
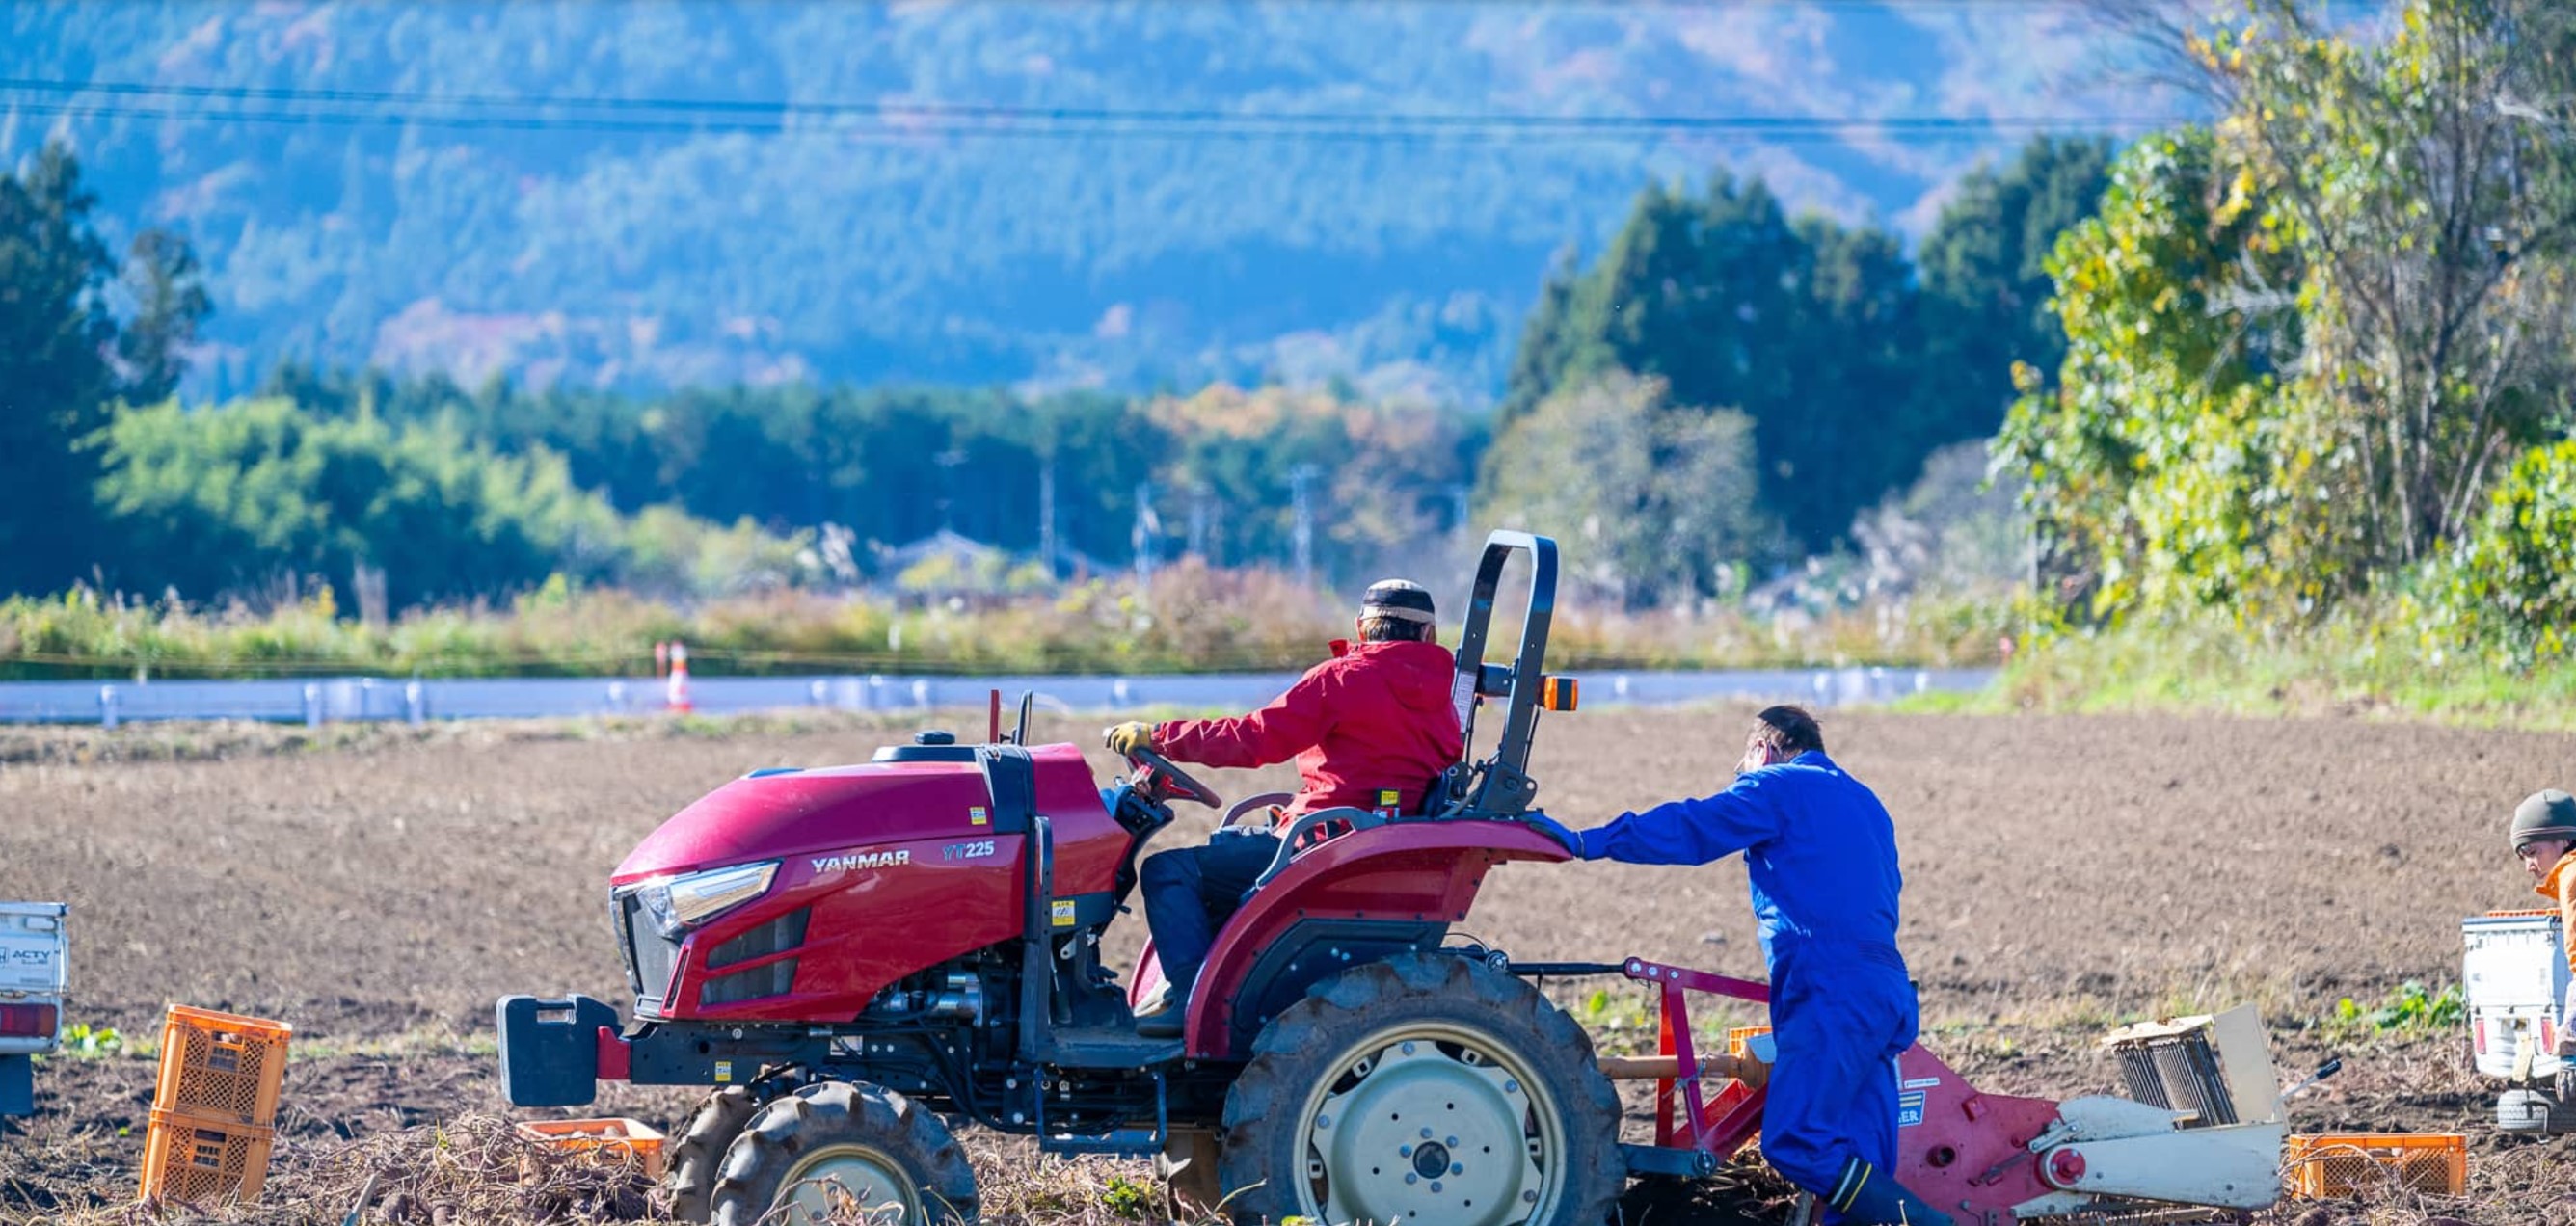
(1437, 800)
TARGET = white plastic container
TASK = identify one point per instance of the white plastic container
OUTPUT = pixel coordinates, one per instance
(33, 954)
(32, 970)
(2514, 977)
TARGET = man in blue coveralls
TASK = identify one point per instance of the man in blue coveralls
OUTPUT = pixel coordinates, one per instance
(1821, 854)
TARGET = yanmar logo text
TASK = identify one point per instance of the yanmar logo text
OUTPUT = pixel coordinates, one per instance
(865, 859)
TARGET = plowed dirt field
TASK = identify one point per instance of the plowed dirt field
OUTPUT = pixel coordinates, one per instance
(379, 891)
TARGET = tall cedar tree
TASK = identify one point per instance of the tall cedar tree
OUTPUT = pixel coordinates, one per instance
(1853, 362)
(64, 358)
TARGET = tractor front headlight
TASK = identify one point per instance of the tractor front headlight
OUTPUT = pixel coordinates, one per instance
(678, 904)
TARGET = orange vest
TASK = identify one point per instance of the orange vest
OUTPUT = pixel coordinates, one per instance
(2559, 886)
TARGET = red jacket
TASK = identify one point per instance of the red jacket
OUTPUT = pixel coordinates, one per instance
(1374, 719)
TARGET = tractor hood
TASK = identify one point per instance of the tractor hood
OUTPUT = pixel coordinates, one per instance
(770, 815)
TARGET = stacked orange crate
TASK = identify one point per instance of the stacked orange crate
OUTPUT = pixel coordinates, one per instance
(2327, 1165)
(610, 1140)
(215, 1114)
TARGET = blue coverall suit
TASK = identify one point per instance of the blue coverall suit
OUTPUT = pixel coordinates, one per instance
(1820, 851)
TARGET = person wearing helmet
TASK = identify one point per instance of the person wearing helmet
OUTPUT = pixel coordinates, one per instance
(2544, 836)
(1370, 728)
(1820, 854)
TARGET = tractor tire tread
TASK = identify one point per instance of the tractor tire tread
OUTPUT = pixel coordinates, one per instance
(748, 1184)
(1267, 1093)
(695, 1157)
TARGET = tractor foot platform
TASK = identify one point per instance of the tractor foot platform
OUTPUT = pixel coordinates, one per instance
(1124, 1143)
(1108, 1047)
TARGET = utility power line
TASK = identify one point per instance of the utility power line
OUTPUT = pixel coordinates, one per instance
(897, 119)
(900, 109)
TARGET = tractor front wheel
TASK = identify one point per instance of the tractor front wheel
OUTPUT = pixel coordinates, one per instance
(834, 1150)
(701, 1149)
(1423, 1089)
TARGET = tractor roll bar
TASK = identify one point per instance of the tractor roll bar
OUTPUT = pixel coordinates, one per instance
(1505, 788)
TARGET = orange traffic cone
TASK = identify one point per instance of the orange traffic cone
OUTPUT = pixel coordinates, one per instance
(676, 691)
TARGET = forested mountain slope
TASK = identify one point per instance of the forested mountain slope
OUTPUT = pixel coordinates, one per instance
(398, 200)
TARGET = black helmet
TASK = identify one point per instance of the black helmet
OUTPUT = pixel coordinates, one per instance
(1400, 599)
(2544, 815)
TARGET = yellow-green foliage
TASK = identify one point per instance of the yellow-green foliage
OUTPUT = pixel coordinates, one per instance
(2304, 342)
(2513, 585)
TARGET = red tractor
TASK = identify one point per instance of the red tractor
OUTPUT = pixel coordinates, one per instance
(853, 955)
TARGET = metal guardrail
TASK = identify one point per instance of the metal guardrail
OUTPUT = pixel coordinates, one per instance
(337, 699)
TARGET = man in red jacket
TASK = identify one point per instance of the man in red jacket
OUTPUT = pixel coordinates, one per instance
(1370, 728)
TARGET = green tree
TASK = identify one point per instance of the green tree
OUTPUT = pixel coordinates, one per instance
(1851, 371)
(220, 497)
(2426, 183)
(1660, 496)
(2514, 587)
(55, 382)
(64, 358)
(1984, 273)
(2301, 343)
(170, 300)
(2156, 463)
(892, 465)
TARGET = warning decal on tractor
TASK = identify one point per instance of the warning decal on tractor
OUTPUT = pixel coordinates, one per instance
(1064, 913)
(976, 816)
(1909, 1109)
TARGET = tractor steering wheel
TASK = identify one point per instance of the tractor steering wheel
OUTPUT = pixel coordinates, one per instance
(1176, 784)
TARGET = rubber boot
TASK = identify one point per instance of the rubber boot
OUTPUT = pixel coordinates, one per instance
(1867, 1197)
(1168, 1021)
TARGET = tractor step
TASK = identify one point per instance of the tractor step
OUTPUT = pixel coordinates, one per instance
(1106, 1047)
(1124, 1143)
(1117, 1142)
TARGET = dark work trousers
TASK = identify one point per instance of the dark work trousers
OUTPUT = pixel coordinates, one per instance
(1189, 891)
(1841, 1013)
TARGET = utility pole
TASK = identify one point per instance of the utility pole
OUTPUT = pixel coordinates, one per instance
(1299, 478)
(948, 461)
(1046, 516)
(1141, 537)
(1198, 522)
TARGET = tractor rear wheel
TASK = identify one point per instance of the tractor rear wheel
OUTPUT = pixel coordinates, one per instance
(833, 1149)
(701, 1149)
(1418, 1090)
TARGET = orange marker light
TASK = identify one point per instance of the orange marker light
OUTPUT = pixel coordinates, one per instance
(1559, 693)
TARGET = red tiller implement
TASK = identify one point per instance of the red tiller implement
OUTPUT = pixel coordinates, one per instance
(845, 955)
(2189, 1136)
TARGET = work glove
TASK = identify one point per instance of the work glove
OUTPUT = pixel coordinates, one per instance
(1556, 830)
(1129, 737)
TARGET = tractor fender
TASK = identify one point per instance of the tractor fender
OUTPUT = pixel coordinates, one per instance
(1413, 872)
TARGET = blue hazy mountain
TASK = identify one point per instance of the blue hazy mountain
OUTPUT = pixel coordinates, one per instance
(555, 190)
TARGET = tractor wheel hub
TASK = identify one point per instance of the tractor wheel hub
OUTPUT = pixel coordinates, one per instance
(1431, 1161)
(1423, 1131)
(831, 1183)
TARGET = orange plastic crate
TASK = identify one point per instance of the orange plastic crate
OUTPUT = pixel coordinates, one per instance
(2326, 1165)
(1737, 1037)
(191, 1160)
(219, 1066)
(627, 1140)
